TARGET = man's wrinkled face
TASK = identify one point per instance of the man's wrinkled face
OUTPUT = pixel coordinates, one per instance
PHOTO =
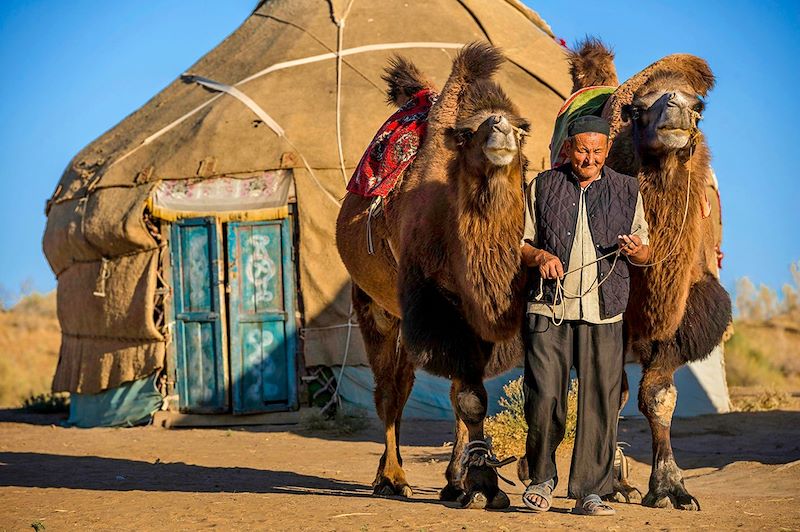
(587, 153)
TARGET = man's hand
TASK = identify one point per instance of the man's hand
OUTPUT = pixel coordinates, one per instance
(549, 265)
(632, 247)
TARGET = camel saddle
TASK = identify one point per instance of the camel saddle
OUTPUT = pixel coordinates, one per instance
(393, 148)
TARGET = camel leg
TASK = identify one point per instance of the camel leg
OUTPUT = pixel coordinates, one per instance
(479, 482)
(623, 490)
(394, 378)
(657, 397)
(453, 490)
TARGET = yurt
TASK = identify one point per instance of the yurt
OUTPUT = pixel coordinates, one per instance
(193, 243)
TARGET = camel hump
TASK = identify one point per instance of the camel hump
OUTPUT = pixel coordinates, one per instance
(477, 60)
(591, 64)
(403, 80)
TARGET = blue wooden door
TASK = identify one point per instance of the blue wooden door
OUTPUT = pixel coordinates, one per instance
(201, 361)
(262, 316)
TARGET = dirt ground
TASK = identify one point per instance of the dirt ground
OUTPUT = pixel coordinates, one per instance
(743, 467)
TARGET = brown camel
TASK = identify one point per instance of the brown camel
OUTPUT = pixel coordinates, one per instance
(443, 288)
(678, 311)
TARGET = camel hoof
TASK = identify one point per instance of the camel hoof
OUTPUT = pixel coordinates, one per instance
(677, 500)
(450, 493)
(385, 488)
(499, 501)
(474, 501)
(624, 492)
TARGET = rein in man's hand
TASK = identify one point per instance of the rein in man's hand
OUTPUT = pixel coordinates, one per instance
(632, 247)
(549, 265)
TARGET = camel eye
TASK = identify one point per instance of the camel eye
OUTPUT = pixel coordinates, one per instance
(464, 135)
(631, 112)
(700, 106)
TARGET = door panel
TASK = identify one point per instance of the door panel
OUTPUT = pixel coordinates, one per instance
(199, 317)
(262, 326)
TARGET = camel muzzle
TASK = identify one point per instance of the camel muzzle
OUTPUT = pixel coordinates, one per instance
(501, 146)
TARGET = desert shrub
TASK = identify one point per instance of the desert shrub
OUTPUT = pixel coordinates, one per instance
(508, 428)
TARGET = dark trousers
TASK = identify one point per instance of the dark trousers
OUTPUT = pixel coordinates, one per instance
(596, 353)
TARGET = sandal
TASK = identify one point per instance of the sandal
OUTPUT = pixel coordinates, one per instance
(592, 505)
(543, 490)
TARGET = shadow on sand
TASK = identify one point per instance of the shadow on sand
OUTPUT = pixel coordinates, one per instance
(38, 470)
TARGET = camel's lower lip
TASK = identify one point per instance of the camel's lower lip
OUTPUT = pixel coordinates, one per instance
(500, 152)
(673, 130)
(499, 156)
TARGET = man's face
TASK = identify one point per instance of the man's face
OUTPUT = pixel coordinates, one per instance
(587, 153)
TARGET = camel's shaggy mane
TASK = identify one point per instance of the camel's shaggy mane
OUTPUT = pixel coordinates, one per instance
(592, 63)
(403, 80)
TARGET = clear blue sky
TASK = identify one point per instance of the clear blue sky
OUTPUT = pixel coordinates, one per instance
(71, 70)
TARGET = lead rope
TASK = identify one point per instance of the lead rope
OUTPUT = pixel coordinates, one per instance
(561, 292)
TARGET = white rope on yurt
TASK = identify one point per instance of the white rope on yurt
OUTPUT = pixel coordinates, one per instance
(281, 66)
(339, 40)
(266, 118)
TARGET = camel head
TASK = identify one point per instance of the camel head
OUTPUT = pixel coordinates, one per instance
(488, 135)
(666, 109)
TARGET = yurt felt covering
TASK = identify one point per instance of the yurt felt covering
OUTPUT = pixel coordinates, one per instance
(97, 241)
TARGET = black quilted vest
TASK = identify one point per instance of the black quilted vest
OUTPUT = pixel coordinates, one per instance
(610, 206)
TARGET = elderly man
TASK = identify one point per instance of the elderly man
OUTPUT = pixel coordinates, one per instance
(583, 223)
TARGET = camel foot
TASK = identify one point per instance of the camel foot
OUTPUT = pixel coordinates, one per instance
(450, 493)
(477, 500)
(667, 489)
(385, 488)
(624, 492)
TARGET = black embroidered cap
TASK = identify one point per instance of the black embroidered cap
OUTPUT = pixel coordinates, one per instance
(589, 124)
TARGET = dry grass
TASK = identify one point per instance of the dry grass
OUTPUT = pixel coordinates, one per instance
(508, 429)
(765, 400)
(340, 424)
(764, 353)
(29, 341)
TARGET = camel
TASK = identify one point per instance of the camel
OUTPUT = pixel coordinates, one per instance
(443, 287)
(678, 311)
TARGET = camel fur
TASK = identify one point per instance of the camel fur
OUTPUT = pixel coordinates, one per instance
(443, 289)
(678, 311)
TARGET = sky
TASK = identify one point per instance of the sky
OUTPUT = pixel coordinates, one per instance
(72, 70)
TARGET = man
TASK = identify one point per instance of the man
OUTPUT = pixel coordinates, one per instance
(584, 220)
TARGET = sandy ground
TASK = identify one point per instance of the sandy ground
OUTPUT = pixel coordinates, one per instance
(744, 468)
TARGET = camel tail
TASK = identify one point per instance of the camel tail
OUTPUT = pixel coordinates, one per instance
(403, 80)
(477, 60)
(592, 63)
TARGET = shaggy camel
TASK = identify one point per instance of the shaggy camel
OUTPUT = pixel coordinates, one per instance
(678, 311)
(443, 288)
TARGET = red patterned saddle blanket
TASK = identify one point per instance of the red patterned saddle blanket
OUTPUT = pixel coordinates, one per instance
(393, 148)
